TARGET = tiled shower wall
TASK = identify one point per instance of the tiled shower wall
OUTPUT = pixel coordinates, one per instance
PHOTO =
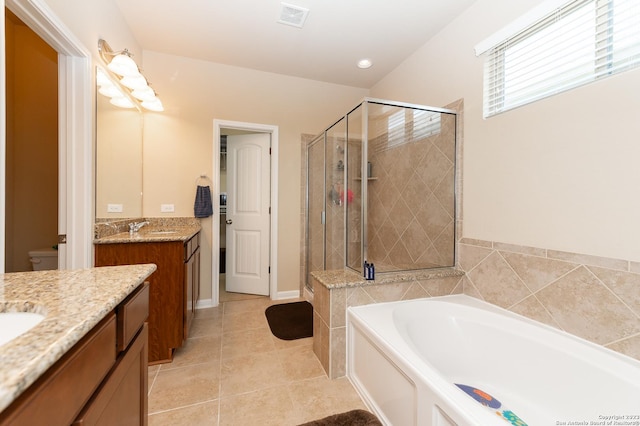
(411, 199)
(592, 297)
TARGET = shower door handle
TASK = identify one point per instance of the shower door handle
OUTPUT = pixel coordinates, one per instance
(229, 221)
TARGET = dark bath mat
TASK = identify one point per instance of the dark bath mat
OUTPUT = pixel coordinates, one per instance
(290, 321)
(350, 418)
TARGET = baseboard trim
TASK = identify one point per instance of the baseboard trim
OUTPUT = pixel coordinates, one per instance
(293, 294)
(205, 303)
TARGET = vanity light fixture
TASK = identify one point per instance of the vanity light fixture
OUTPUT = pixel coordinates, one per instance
(132, 87)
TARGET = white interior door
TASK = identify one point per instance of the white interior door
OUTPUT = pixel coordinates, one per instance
(248, 202)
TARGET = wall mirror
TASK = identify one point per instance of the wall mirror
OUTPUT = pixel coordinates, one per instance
(118, 159)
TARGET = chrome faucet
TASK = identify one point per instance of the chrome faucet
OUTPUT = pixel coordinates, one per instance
(136, 226)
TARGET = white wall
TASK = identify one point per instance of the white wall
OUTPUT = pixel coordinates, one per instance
(561, 173)
(179, 142)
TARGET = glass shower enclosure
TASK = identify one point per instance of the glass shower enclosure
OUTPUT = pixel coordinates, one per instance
(381, 187)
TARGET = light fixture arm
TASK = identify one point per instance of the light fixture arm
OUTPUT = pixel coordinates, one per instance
(105, 50)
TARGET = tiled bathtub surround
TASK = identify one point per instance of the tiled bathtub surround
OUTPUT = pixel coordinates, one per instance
(592, 297)
(336, 290)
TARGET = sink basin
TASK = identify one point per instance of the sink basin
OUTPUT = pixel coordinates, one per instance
(13, 324)
(161, 232)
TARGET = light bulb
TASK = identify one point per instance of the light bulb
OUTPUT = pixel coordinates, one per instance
(145, 94)
(122, 102)
(154, 105)
(110, 90)
(123, 65)
(101, 78)
(134, 82)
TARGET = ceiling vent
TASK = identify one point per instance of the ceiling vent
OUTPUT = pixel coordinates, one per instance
(293, 15)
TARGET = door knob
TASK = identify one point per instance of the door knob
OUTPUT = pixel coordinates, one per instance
(229, 221)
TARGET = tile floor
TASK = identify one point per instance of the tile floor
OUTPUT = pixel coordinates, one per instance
(233, 371)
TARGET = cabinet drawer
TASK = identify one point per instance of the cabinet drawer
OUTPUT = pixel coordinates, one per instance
(131, 314)
(59, 395)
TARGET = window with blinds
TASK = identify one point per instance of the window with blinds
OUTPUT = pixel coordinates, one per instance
(581, 42)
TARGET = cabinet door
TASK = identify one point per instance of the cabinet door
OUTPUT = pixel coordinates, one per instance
(121, 400)
(191, 289)
(188, 296)
(196, 278)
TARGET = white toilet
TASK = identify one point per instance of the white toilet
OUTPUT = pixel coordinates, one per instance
(44, 259)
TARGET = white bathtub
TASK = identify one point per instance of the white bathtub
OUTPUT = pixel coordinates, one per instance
(405, 359)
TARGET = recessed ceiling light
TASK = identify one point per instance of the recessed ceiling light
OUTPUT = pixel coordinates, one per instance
(364, 63)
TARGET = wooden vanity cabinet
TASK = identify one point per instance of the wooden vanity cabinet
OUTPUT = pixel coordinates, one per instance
(102, 380)
(174, 289)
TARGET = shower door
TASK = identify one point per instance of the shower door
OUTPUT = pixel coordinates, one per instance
(337, 195)
(327, 197)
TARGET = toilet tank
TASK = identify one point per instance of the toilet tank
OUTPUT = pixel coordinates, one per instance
(44, 259)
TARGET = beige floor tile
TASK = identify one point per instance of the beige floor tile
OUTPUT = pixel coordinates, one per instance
(203, 414)
(285, 344)
(239, 321)
(209, 312)
(265, 407)
(250, 305)
(151, 377)
(250, 373)
(321, 397)
(233, 371)
(206, 327)
(196, 351)
(238, 343)
(300, 363)
(189, 385)
(227, 296)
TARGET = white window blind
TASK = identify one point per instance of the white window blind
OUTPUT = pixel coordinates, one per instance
(576, 44)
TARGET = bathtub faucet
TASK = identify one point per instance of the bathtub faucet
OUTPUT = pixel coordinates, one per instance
(136, 226)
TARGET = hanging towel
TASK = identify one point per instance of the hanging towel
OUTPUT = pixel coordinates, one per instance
(203, 207)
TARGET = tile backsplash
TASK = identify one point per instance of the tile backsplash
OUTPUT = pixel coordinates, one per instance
(592, 297)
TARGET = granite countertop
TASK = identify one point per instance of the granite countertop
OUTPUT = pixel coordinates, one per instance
(72, 301)
(341, 278)
(152, 234)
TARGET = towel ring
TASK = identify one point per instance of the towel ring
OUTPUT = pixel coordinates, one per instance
(203, 179)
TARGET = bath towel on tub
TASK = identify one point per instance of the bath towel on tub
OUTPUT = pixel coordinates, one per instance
(203, 206)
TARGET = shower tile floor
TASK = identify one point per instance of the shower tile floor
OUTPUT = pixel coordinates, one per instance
(233, 371)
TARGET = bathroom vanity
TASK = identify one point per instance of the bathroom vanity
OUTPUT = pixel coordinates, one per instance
(85, 362)
(174, 287)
